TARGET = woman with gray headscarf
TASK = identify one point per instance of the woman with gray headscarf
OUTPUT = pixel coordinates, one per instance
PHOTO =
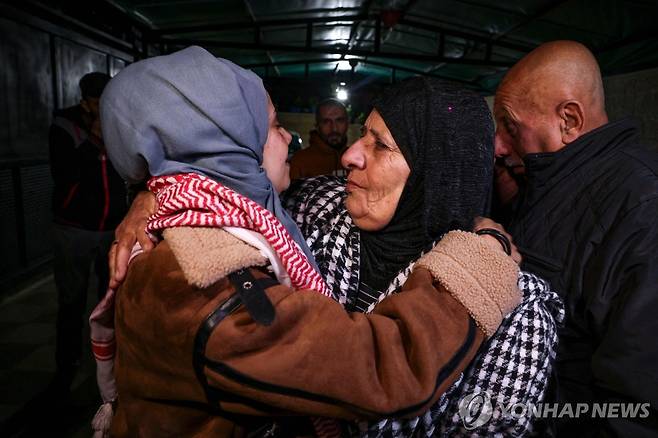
(211, 325)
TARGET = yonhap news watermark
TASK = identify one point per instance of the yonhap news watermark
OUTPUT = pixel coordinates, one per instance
(478, 408)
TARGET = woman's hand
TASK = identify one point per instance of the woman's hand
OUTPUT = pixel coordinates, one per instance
(484, 222)
(131, 230)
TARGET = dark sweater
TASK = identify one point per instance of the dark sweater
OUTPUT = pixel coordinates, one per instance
(88, 192)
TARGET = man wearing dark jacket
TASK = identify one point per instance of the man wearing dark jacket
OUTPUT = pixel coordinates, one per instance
(89, 200)
(588, 219)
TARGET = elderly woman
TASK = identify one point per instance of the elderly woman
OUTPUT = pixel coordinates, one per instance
(446, 135)
(213, 324)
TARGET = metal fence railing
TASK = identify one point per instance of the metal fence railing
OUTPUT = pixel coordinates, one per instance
(25, 218)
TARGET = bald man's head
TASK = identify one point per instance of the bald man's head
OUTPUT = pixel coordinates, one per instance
(549, 99)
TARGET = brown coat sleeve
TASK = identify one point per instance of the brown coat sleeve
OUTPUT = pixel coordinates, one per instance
(315, 358)
(318, 359)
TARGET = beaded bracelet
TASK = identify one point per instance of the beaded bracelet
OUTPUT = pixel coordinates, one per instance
(500, 237)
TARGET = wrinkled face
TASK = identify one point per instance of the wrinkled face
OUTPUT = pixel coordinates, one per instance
(377, 175)
(275, 152)
(332, 125)
(524, 124)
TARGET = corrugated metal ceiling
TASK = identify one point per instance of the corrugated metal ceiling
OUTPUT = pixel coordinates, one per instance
(471, 41)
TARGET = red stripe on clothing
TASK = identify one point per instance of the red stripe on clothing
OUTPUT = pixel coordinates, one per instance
(194, 200)
(69, 197)
(103, 351)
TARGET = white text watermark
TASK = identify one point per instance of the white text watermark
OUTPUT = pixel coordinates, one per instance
(477, 409)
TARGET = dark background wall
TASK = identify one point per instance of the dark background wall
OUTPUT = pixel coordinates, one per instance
(635, 95)
(42, 62)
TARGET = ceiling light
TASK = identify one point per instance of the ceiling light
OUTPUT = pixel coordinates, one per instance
(344, 65)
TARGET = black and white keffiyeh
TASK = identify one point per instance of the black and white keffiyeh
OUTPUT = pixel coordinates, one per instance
(512, 367)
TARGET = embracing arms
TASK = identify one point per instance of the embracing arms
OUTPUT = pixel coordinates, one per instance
(314, 358)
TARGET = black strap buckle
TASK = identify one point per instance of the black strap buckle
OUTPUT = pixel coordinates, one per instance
(261, 310)
(253, 296)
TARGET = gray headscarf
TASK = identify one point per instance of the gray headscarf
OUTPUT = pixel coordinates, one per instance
(192, 112)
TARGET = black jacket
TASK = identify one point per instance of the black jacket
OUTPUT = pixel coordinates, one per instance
(88, 192)
(589, 217)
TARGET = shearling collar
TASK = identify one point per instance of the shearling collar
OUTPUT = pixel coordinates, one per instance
(206, 255)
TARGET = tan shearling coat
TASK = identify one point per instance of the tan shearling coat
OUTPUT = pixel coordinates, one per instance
(183, 370)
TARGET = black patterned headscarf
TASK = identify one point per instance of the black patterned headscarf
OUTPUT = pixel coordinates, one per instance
(446, 135)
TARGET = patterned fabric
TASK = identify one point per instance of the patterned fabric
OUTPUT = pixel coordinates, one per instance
(103, 346)
(364, 299)
(329, 232)
(513, 366)
(192, 200)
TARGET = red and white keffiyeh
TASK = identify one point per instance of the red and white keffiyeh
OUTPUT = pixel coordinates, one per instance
(192, 200)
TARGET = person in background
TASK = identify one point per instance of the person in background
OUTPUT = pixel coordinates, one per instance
(327, 143)
(89, 200)
(589, 214)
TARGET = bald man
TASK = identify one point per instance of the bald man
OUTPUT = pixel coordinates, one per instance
(589, 220)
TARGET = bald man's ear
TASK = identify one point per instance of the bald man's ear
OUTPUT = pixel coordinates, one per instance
(572, 122)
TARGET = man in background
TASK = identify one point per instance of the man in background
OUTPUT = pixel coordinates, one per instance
(89, 200)
(588, 221)
(327, 143)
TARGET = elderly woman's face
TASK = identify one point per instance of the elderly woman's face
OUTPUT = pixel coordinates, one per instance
(275, 152)
(377, 175)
